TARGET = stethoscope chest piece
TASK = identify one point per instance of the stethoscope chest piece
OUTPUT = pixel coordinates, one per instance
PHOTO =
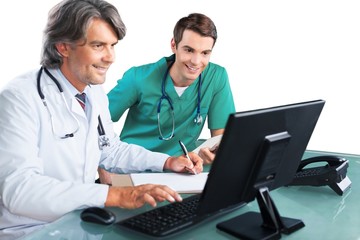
(198, 119)
(103, 140)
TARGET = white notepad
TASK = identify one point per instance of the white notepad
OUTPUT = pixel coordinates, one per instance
(210, 143)
(180, 182)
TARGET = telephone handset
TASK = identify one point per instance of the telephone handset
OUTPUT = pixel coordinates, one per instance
(332, 174)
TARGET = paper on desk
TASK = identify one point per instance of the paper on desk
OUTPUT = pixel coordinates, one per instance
(180, 182)
(210, 143)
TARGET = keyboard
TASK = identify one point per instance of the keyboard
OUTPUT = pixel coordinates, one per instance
(165, 220)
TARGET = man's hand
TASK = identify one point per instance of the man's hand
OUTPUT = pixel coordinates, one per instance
(207, 154)
(183, 164)
(136, 197)
(105, 177)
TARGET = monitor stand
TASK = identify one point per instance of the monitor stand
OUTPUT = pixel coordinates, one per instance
(268, 224)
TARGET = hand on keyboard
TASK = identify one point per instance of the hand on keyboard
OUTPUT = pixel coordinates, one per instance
(135, 197)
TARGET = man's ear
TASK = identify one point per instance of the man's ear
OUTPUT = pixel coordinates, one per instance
(173, 45)
(62, 49)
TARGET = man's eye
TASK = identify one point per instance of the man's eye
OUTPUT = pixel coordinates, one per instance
(98, 46)
(207, 53)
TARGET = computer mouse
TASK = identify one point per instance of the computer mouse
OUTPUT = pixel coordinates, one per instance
(98, 215)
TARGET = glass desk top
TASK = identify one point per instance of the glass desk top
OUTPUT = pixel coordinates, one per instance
(326, 215)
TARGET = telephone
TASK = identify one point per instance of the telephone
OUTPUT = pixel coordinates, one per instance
(332, 174)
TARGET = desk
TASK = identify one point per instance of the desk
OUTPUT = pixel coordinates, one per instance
(326, 215)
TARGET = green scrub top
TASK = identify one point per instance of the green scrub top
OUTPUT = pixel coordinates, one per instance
(140, 91)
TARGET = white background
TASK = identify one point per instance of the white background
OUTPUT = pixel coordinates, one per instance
(276, 52)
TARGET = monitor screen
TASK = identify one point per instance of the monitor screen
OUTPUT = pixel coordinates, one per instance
(260, 149)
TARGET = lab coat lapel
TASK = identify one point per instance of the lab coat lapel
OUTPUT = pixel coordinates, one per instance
(92, 138)
(76, 107)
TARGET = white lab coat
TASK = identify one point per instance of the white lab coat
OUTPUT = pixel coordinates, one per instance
(43, 177)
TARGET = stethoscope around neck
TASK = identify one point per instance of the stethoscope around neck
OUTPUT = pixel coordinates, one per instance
(164, 96)
(103, 139)
(42, 96)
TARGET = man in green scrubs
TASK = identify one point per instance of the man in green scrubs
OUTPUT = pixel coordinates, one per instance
(169, 100)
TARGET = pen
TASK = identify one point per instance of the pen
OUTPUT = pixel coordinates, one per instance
(186, 153)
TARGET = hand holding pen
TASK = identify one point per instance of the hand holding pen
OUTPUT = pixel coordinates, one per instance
(186, 153)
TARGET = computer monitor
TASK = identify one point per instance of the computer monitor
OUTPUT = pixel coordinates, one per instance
(259, 152)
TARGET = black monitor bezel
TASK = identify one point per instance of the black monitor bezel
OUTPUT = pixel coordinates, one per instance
(231, 178)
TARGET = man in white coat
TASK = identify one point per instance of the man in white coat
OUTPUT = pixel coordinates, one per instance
(50, 147)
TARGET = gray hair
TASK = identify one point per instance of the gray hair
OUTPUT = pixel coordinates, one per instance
(68, 22)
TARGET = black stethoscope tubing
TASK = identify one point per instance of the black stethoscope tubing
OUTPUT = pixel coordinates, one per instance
(52, 77)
